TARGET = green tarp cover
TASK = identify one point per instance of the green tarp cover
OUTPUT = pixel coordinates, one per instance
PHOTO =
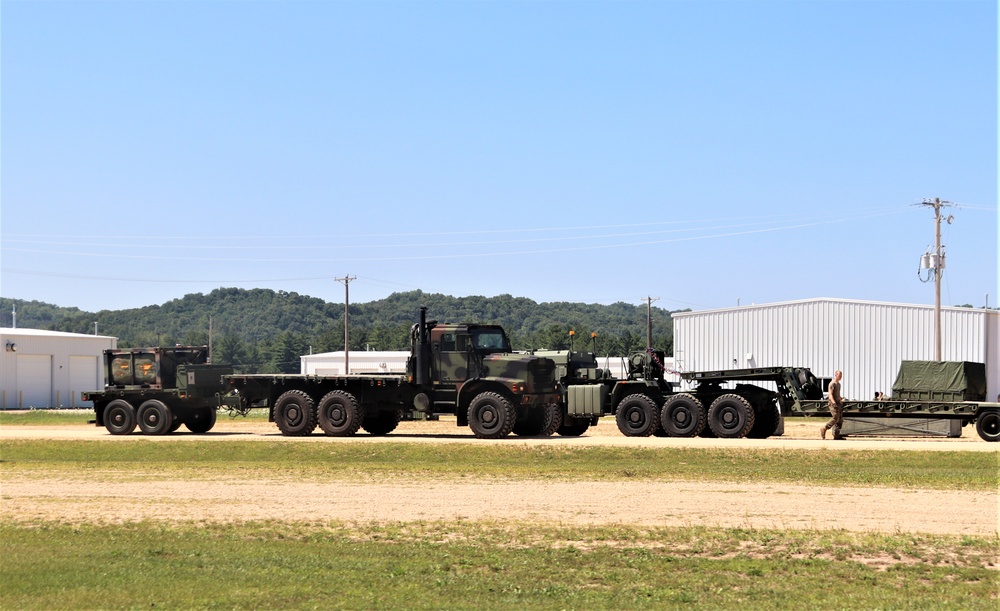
(956, 381)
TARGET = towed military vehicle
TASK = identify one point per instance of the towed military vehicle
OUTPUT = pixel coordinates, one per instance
(158, 389)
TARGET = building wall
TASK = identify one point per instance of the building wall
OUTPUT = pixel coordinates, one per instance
(866, 340)
(49, 369)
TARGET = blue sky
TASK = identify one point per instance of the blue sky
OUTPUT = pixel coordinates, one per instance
(699, 152)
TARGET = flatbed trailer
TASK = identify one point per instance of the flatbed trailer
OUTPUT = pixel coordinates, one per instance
(918, 393)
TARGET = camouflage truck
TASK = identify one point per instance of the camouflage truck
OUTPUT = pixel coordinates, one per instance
(954, 391)
(468, 370)
(158, 389)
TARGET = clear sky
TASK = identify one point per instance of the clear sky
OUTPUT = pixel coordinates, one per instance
(701, 152)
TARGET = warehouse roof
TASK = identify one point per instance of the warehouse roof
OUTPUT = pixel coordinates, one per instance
(47, 333)
(829, 300)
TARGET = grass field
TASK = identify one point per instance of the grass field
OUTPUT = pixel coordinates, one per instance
(485, 566)
(192, 460)
(494, 564)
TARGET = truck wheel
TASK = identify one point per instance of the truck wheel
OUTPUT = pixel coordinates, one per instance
(295, 413)
(553, 419)
(683, 415)
(202, 420)
(987, 425)
(155, 418)
(339, 414)
(766, 423)
(383, 422)
(637, 416)
(573, 427)
(176, 425)
(540, 422)
(491, 416)
(731, 417)
(119, 417)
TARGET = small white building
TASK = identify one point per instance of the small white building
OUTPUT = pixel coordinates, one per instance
(332, 363)
(49, 369)
(866, 340)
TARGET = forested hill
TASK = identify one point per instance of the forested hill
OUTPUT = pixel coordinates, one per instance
(265, 330)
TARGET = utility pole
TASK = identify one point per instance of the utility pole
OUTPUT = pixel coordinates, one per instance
(935, 263)
(347, 327)
(649, 322)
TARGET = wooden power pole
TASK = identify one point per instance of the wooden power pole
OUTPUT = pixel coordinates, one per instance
(347, 326)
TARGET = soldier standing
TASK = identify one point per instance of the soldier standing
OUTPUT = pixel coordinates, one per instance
(836, 403)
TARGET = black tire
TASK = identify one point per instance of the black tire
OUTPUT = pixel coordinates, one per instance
(119, 417)
(637, 416)
(154, 417)
(202, 420)
(541, 421)
(987, 425)
(573, 427)
(339, 413)
(766, 421)
(491, 416)
(382, 422)
(295, 413)
(731, 417)
(682, 415)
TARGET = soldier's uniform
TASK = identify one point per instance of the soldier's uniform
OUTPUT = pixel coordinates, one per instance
(836, 404)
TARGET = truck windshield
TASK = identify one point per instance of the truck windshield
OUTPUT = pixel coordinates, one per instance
(490, 340)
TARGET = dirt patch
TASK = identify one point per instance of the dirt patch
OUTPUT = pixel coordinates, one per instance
(745, 505)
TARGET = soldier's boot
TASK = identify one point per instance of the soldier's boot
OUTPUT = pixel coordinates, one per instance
(822, 431)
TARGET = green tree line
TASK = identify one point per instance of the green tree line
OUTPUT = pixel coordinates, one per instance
(266, 331)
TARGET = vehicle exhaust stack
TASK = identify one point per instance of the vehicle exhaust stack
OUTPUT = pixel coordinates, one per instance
(423, 350)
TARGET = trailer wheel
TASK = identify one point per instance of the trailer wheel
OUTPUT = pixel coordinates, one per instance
(540, 421)
(339, 414)
(154, 417)
(295, 413)
(176, 425)
(202, 420)
(683, 415)
(491, 416)
(637, 416)
(573, 427)
(988, 425)
(119, 417)
(731, 416)
(383, 422)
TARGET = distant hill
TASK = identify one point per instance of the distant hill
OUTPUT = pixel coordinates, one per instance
(266, 331)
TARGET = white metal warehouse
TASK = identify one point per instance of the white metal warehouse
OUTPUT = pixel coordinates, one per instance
(866, 340)
(44, 369)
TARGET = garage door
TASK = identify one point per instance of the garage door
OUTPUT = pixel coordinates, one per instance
(34, 380)
(83, 375)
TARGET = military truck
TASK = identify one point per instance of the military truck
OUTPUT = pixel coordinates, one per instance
(588, 392)
(923, 389)
(468, 370)
(159, 389)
